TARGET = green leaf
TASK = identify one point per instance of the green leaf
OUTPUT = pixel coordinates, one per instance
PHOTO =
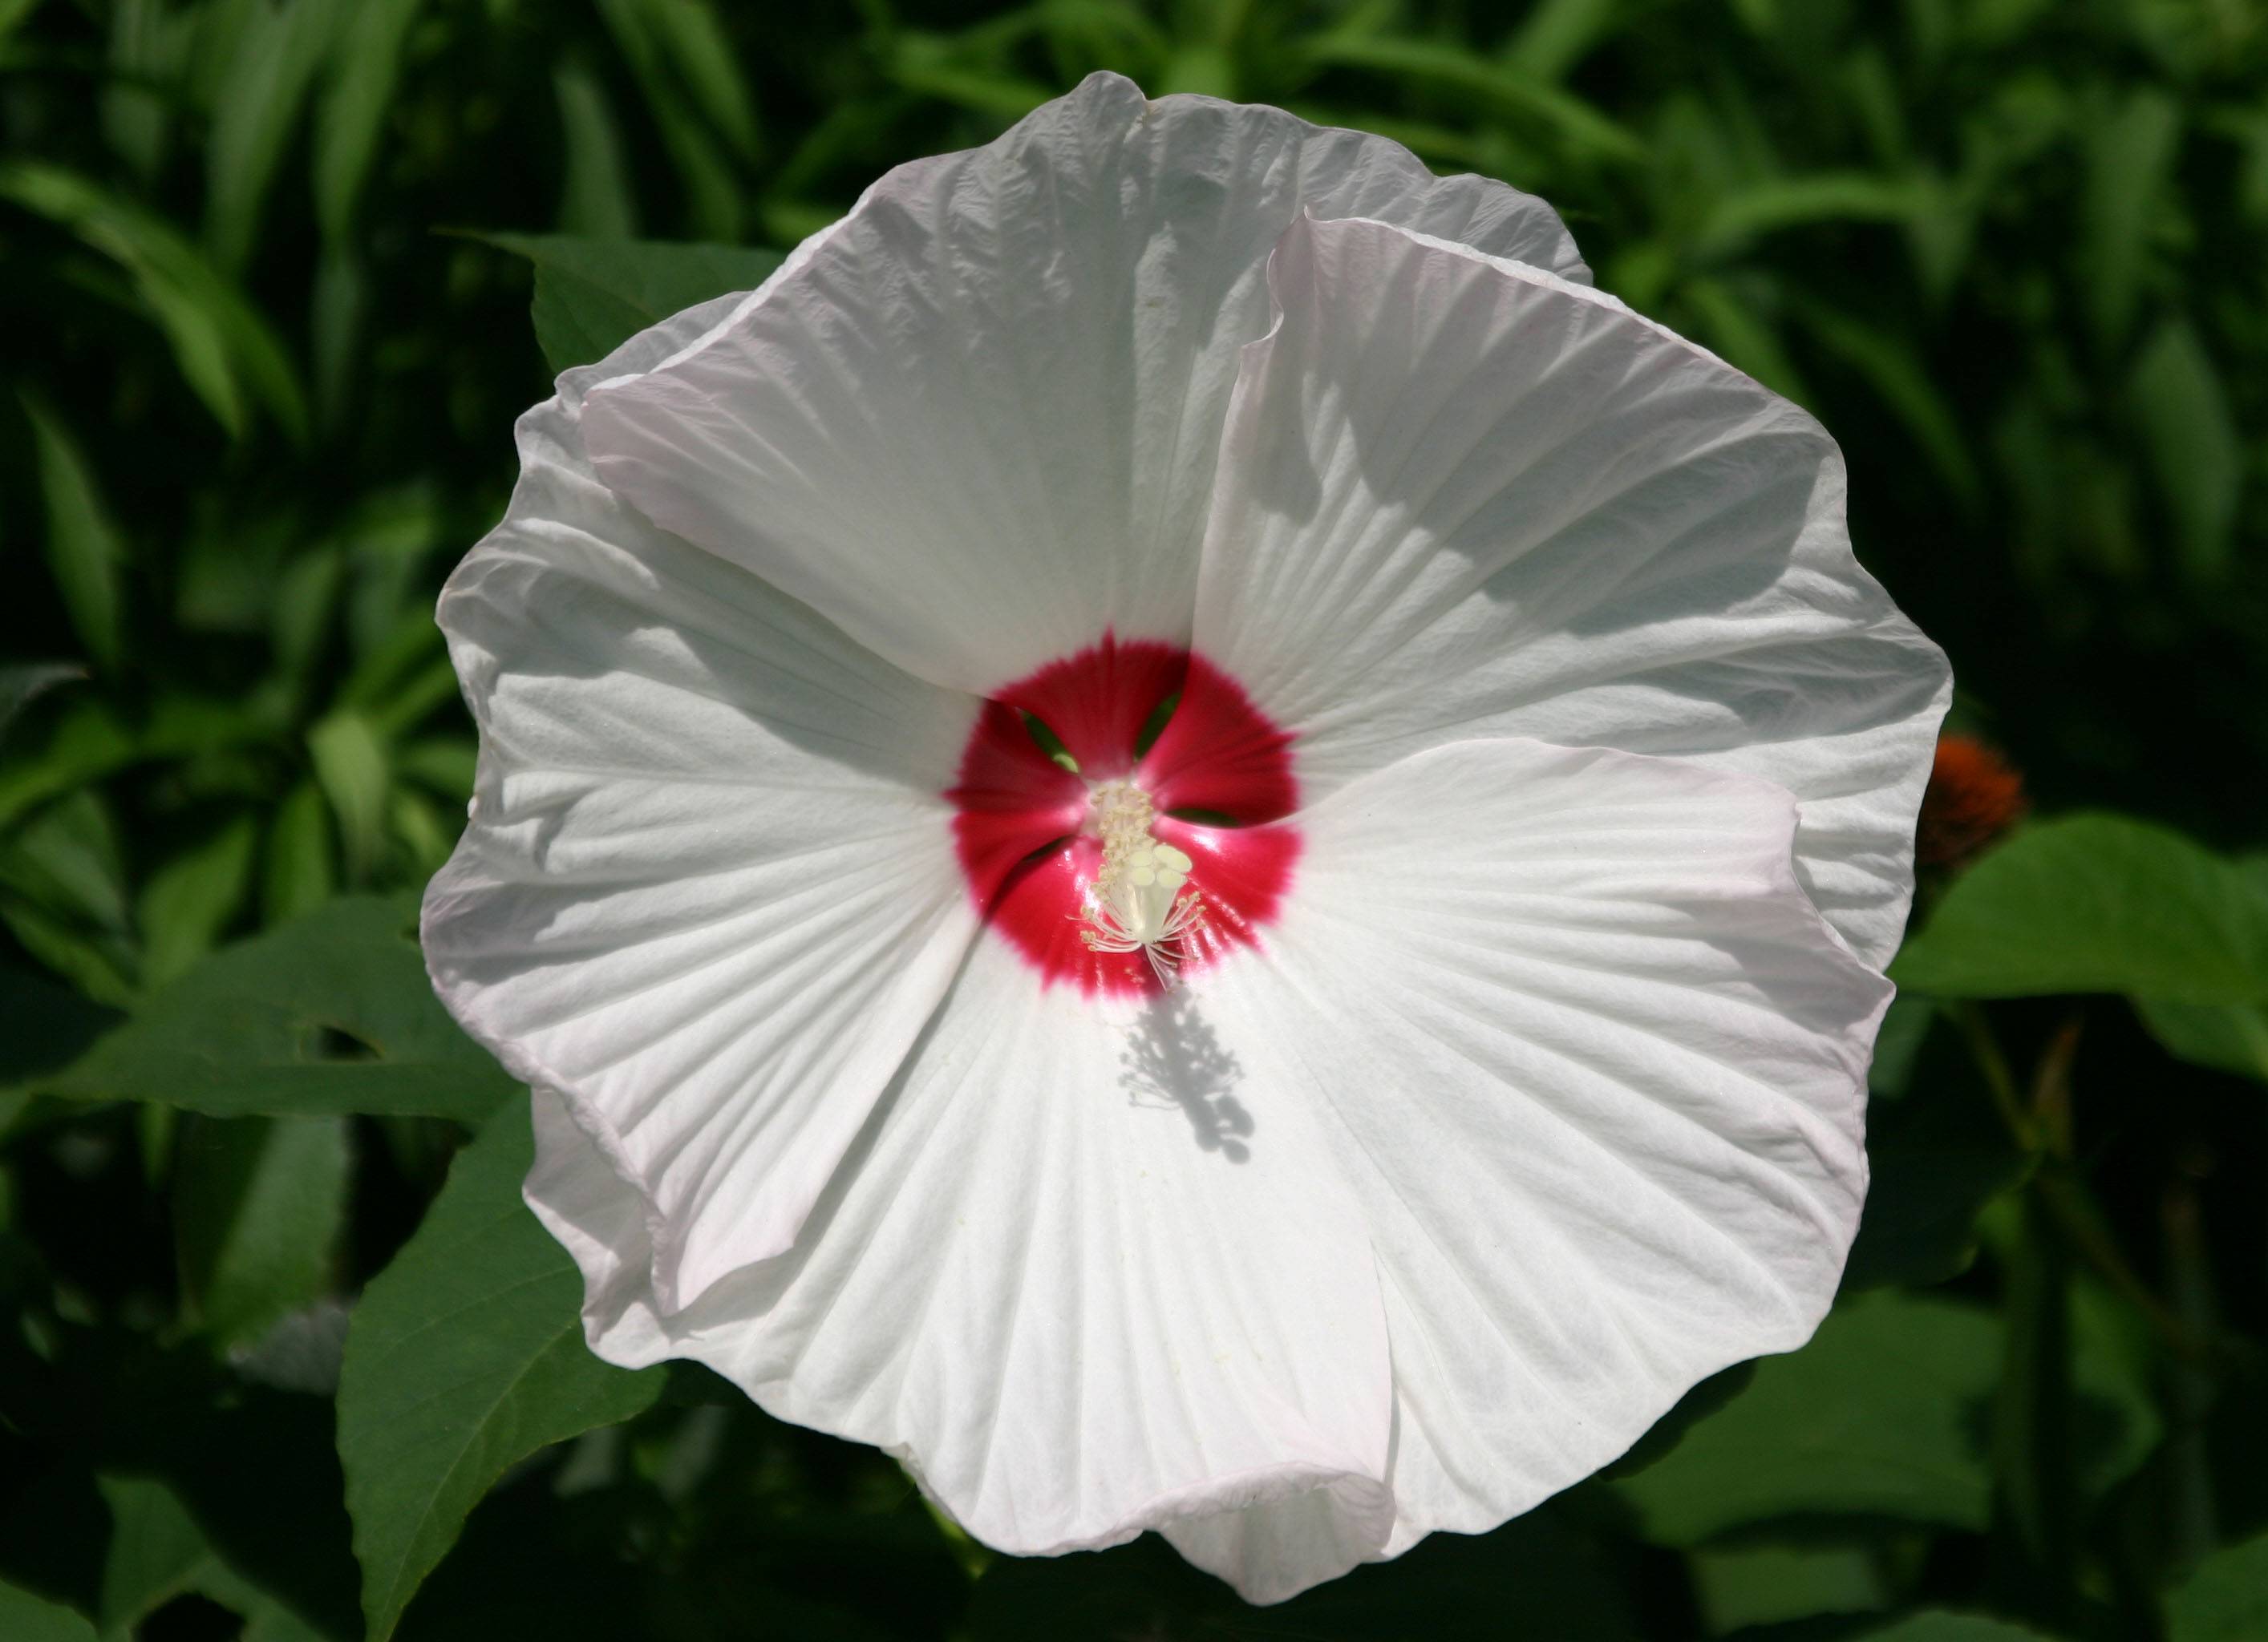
(1806, 201)
(465, 1356)
(597, 200)
(1575, 122)
(1884, 1415)
(159, 1550)
(224, 347)
(1744, 337)
(1892, 367)
(350, 766)
(84, 546)
(2130, 162)
(2226, 1600)
(157, 1553)
(266, 84)
(1938, 1151)
(365, 67)
(1938, 1624)
(259, 1206)
(22, 685)
(2226, 1036)
(1755, 1585)
(1876, 1417)
(695, 93)
(43, 1027)
(330, 1013)
(24, 1618)
(189, 900)
(2096, 903)
(594, 295)
(2192, 444)
(301, 872)
(63, 891)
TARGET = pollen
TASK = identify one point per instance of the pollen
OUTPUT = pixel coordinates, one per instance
(1141, 900)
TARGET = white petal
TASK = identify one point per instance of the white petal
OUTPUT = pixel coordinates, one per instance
(707, 895)
(1462, 497)
(1598, 1068)
(975, 423)
(1078, 1272)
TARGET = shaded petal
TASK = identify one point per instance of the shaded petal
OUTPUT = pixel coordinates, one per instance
(976, 423)
(1462, 497)
(1597, 1068)
(1076, 1273)
(707, 893)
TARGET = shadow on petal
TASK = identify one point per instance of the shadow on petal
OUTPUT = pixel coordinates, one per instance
(1174, 1057)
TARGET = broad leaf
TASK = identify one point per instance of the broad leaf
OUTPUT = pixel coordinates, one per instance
(1756, 1584)
(24, 1618)
(2226, 1036)
(158, 1551)
(2226, 1600)
(594, 295)
(1876, 1417)
(1883, 1414)
(2096, 903)
(330, 1013)
(465, 1356)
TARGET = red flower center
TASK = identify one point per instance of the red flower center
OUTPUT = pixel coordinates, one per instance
(1217, 773)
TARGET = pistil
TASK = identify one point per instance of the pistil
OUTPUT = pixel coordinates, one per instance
(1139, 901)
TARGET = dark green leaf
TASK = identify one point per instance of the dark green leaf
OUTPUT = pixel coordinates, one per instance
(156, 1553)
(351, 111)
(594, 295)
(596, 201)
(2226, 1600)
(1824, 197)
(224, 347)
(2096, 903)
(24, 1618)
(1503, 85)
(2226, 1036)
(465, 1356)
(20, 686)
(1942, 1625)
(1755, 1585)
(350, 766)
(1877, 1417)
(189, 900)
(2130, 159)
(266, 83)
(85, 551)
(2192, 442)
(301, 870)
(43, 1026)
(259, 1205)
(330, 1013)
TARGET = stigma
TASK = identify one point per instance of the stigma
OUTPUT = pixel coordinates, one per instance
(1141, 900)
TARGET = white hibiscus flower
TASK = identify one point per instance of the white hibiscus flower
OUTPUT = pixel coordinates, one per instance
(1529, 824)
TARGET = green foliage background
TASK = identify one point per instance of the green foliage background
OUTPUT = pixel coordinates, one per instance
(266, 269)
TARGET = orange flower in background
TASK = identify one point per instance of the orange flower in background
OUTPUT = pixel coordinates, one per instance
(1974, 795)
